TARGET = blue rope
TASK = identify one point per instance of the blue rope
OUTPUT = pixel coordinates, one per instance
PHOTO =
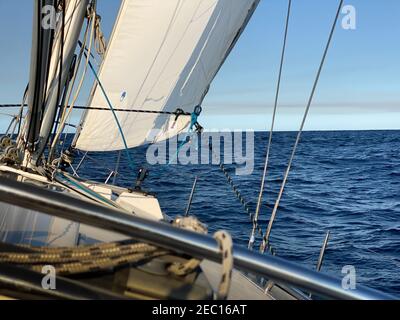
(190, 133)
(84, 189)
(130, 162)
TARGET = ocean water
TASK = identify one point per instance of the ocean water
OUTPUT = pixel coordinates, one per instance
(347, 182)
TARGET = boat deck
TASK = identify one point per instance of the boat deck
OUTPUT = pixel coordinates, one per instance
(241, 287)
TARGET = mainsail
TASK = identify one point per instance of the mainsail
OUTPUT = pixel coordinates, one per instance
(162, 55)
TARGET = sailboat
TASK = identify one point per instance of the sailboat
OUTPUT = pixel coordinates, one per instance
(104, 241)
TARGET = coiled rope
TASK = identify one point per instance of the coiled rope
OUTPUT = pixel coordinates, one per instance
(68, 261)
(107, 256)
(225, 247)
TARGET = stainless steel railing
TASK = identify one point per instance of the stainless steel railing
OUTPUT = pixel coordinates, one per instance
(179, 240)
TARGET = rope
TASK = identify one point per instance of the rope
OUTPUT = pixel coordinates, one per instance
(66, 114)
(260, 195)
(193, 224)
(68, 261)
(225, 246)
(19, 116)
(62, 40)
(130, 161)
(99, 39)
(236, 191)
(75, 185)
(106, 256)
(191, 132)
(178, 112)
(265, 243)
(190, 223)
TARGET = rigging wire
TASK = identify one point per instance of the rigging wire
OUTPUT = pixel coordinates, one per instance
(177, 112)
(265, 242)
(66, 114)
(60, 90)
(60, 108)
(260, 196)
(33, 115)
(130, 162)
(19, 116)
(97, 162)
(116, 170)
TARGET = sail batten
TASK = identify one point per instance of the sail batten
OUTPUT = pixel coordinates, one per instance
(163, 55)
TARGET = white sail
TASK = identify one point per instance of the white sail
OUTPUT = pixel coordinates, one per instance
(162, 55)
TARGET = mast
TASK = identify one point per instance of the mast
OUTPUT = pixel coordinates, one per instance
(40, 56)
(74, 17)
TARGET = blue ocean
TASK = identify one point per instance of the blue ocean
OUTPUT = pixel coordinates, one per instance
(347, 182)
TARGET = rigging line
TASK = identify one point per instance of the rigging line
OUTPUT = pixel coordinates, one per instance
(177, 112)
(260, 196)
(189, 135)
(9, 115)
(235, 189)
(66, 93)
(14, 105)
(265, 242)
(60, 67)
(71, 183)
(100, 164)
(130, 162)
(33, 114)
(65, 113)
(20, 114)
(14, 117)
(66, 133)
(116, 170)
(62, 40)
(81, 161)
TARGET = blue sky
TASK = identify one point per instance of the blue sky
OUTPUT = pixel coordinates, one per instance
(359, 87)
